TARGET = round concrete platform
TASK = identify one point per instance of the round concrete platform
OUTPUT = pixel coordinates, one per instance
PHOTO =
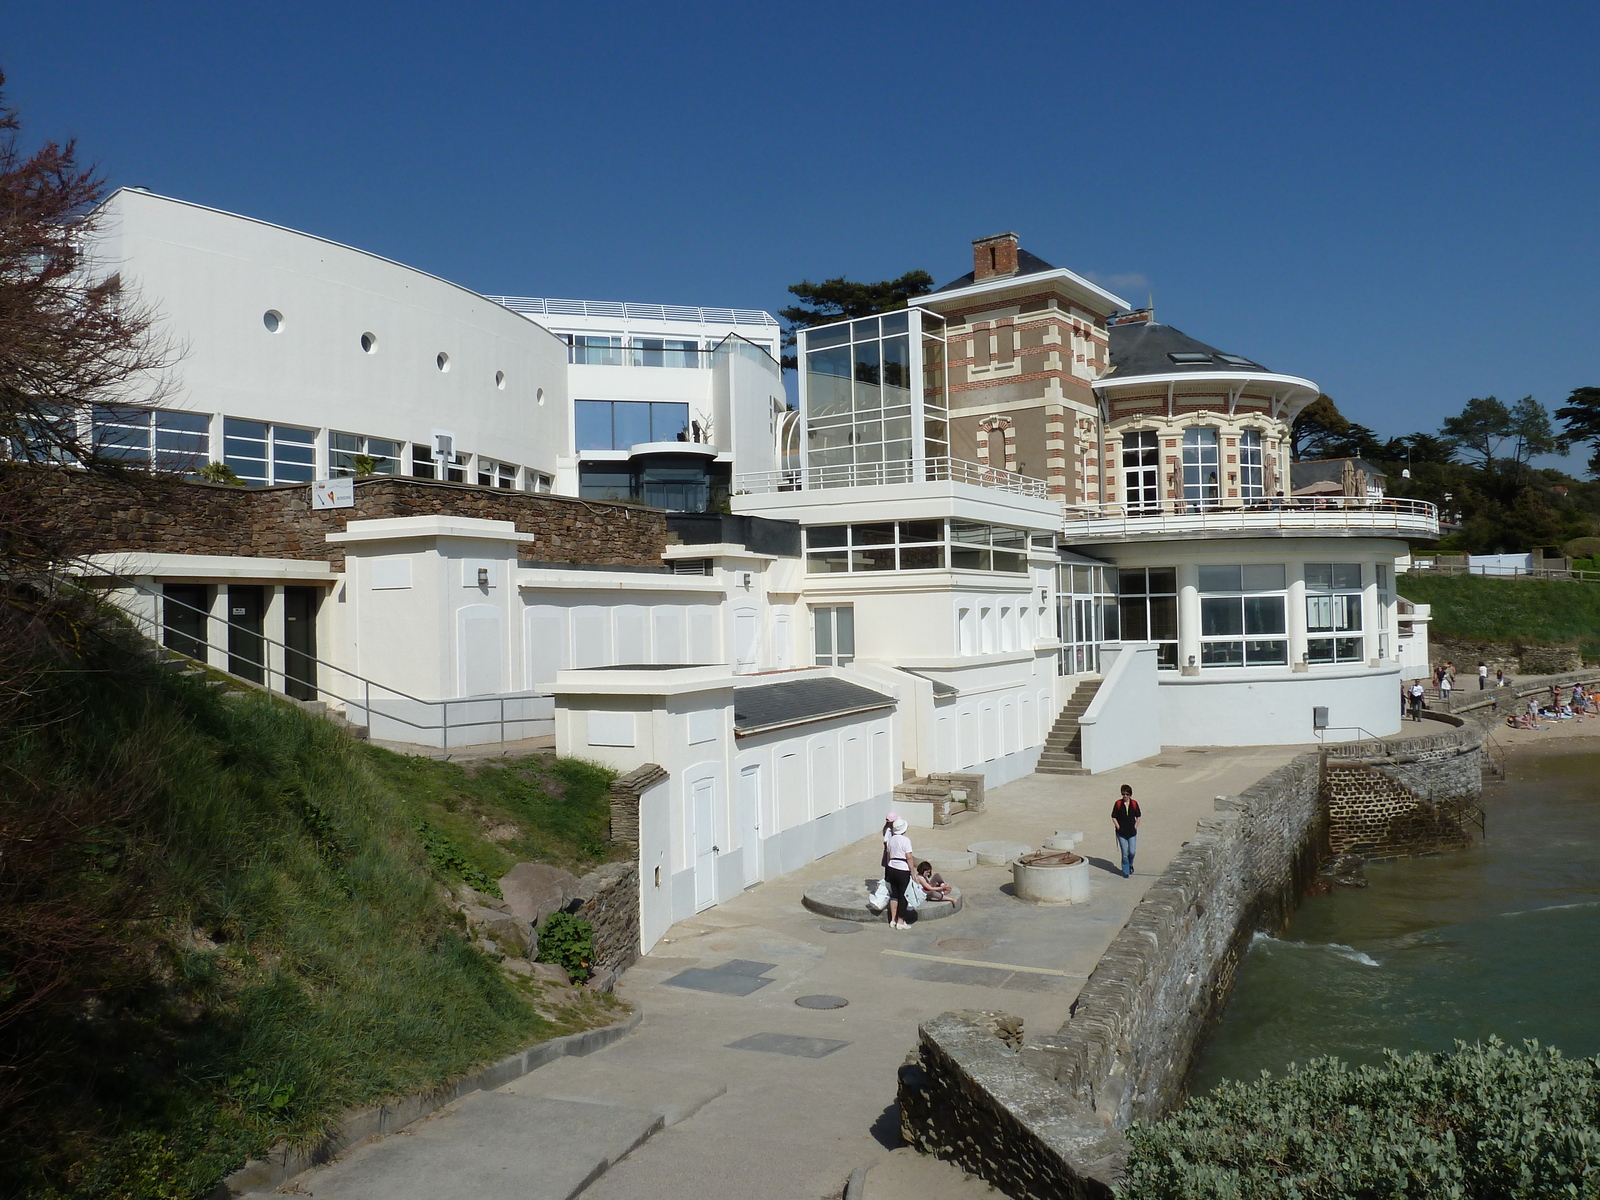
(999, 854)
(949, 860)
(844, 898)
(1063, 839)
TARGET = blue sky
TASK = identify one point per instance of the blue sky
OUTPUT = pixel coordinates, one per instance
(1399, 202)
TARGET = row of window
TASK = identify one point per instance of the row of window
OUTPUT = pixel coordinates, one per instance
(263, 453)
(915, 546)
(601, 350)
(1201, 464)
(1243, 613)
(620, 424)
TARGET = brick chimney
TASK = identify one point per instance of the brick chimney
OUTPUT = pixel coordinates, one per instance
(995, 255)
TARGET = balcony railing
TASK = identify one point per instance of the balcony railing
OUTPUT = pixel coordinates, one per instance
(636, 356)
(932, 470)
(1310, 514)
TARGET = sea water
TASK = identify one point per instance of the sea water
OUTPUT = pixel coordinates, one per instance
(1500, 939)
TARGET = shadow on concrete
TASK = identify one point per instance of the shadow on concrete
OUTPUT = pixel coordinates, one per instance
(886, 1129)
(1114, 868)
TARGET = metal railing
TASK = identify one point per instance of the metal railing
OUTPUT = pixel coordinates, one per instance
(637, 356)
(1297, 512)
(630, 311)
(931, 470)
(1490, 570)
(380, 709)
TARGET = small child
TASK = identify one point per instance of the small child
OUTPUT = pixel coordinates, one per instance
(932, 883)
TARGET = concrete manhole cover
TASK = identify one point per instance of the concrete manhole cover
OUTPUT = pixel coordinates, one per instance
(839, 927)
(960, 944)
(822, 1001)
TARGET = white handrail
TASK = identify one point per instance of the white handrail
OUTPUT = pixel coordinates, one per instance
(931, 470)
(1311, 514)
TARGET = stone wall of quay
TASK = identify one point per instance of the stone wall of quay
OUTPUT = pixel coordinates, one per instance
(1042, 1121)
(1515, 657)
(608, 898)
(139, 513)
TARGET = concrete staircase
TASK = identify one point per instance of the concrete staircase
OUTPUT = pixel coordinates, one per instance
(1063, 749)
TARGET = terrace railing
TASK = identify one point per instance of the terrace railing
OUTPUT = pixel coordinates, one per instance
(932, 470)
(1310, 514)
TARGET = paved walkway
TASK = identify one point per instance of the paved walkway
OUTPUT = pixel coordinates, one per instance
(760, 1097)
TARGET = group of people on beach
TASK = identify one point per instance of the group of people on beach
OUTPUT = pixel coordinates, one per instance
(1579, 702)
(1413, 697)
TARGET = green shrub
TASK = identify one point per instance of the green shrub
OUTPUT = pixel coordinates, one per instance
(568, 941)
(1485, 1121)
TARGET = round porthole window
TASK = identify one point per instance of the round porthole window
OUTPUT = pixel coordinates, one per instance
(540, 397)
(272, 319)
(500, 380)
(369, 343)
(443, 361)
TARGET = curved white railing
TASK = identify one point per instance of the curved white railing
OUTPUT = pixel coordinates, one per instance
(1310, 514)
(932, 470)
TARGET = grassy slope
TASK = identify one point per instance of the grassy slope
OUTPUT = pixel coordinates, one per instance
(1509, 610)
(271, 943)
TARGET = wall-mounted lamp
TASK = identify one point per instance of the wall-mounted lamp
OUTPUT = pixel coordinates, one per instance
(483, 577)
(746, 580)
(1305, 656)
(1191, 660)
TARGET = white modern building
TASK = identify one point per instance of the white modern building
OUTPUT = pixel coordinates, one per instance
(1013, 493)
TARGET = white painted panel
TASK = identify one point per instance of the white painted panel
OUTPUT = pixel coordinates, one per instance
(824, 776)
(746, 639)
(856, 774)
(968, 722)
(704, 644)
(749, 817)
(989, 727)
(481, 650)
(1047, 716)
(667, 621)
(591, 636)
(546, 636)
(631, 627)
(782, 640)
(386, 573)
(792, 805)
(611, 729)
(882, 768)
(704, 724)
(1010, 739)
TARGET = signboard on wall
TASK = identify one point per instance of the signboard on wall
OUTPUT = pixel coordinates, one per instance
(334, 493)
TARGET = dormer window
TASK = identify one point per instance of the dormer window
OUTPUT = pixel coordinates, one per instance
(1187, 359)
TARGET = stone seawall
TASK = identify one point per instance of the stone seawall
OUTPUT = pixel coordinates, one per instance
(138, 513)
(1123, 1055)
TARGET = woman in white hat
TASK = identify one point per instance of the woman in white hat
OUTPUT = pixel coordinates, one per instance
(897, 861)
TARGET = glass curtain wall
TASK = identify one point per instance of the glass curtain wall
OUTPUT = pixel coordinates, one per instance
(1086, 615)
(1147, 611)
(869, 399)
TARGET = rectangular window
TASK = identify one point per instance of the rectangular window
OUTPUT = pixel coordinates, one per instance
(152, 437)
(540, 482)
(1243, 615)
(493, 474)
(262, 454)
(358, 454)
(916, 546)
(834, 629)
(1333, 613)
(1199, 468)
(664, 352)
(622, 424)
(455, 467)
(1141, 470)
(1147, 611)
(1251, 480)
(422, 462)
(595, 351)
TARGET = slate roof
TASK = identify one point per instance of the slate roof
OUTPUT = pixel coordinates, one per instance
(772, 705)
(941, 691)
(1147, 349)
(1027, 264)
(1329, 470)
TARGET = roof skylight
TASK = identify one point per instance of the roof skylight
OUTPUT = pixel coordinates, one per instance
(1188, 359)
(1233, 360)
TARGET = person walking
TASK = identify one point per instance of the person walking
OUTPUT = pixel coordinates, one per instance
(897, 860)
(1483, 676)
(1445, 684)
(1125, 816)
(1416, 699)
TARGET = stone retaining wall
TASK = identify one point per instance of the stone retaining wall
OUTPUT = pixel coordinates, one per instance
(140, 513)
(1042, 1123)
(1514, 657)
(1376, 816)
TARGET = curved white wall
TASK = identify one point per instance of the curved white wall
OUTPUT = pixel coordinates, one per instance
(1273, 708)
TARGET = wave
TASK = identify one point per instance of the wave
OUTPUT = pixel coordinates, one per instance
(1349, 953)
(1524, 912)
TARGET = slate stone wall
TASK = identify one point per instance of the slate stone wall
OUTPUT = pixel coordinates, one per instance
(1126, 1049)
(1376, 816)
(155, 515)
(608, 898)
(1514, 657)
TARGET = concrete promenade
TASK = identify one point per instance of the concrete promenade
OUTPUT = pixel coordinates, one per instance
(809, 1095)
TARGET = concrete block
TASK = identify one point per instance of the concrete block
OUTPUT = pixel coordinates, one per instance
(998, 853)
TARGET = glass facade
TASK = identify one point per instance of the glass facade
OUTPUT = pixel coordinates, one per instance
(1086, 615)
(875, 397)
(915, 546)
(1243, 616)
(619, 424)
(345, 448)
(601, 350)
(1147, 611)
(262, 454)
(151, 437)
(1333, 613)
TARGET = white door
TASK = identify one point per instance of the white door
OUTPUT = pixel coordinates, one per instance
(750, 821)
(745, 640)
(782, 650)
(702, 802)
(481, 651)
